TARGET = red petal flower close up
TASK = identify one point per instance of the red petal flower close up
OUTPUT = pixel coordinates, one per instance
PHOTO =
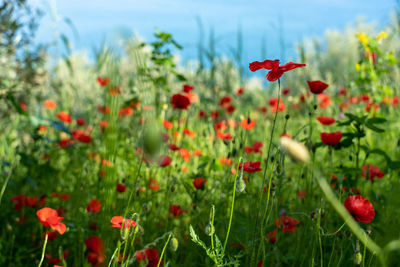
(276, 71)
(179, 101)
(325, 120)
(360, 208)
(49, 218)
(317, 87)
(331, 139)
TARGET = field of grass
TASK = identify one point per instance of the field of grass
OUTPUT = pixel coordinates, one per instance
(132, 159)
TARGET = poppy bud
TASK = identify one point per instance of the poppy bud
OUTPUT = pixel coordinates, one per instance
(240, 186)
(208, 228)
(309, 114)
(315, 107)
(172, 188)
(297, 151)
(287, 116)
(358, 258)
(173, 243)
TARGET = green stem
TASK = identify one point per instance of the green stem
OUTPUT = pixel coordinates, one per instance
(162, 253)
(43, 251)
(232, 206)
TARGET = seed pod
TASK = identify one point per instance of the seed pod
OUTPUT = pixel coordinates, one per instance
(173, 244)
(207, 230)
(358, 258)
(240, 186)
(297, 151)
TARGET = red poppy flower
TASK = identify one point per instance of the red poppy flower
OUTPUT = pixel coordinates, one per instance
(285, 91)
(272, 237)
(149, 255)
(199, 183)
(179, 101)
(81, 136)
(262, 109)
(64, 116)
(251, 166)
(176, 210)
(94, 206)
(104, 109)
(360, 208)
(324, 100)
(173, 147)
(185, 154)
(202, 114)
(121, 188)
(371, 172)
(225, 101)
(95, 245)
(255, 148)
(124, 112)
(248, 124)
(325, 120)
(187, 88)
(168, 125)
(164, 160)
(276, 71)
(331, 139)
(80, 121)
(273, 103)
(223, 136)
(103, 81)
(23, 106)
(119, 222)
(342, 91)
(287, 224)
(49, 104)
(230, 109)
(240, 91)
(189, 133)
(317, 87)
(49, 218)
(19, 201)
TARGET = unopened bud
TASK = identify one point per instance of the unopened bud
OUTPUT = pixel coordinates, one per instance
(174, 244)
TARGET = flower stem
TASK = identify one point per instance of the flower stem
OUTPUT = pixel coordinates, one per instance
(43, 251)
(162, 253)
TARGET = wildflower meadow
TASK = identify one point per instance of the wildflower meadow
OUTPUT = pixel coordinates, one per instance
(134, 159)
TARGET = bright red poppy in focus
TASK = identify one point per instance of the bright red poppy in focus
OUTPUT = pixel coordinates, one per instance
(317, 87)
(360, 208)
(276, 71)
(49, 218)
(331, 139)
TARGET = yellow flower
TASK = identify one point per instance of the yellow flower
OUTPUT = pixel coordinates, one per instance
(357, 67)
(363, 38)
(382, 35)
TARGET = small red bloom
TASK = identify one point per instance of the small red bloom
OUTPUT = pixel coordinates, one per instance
(331, 139)
(285, 91)
(276, 71)
(81, 136)
(223, 136)
(121, 188)
(325, 120)
(360, 208)
(94, 206)
(287, 224)
(80, 121)
(251, 166)
(255, 148)
(199, 183)
(317, 87)
(371, 172)
(187, 88)
(273, 103)
(240, 91)
(103, 81)
(49, 104)
(149, 255)
(225, 101)
(168, 125)
(175, 210)
(119, 222)
(49, 218)
(248, 124)
(164, 160)
(64, 116)
(179, 101)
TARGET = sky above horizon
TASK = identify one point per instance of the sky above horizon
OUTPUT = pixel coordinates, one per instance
(272, 21)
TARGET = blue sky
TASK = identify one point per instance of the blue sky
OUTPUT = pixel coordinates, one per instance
(97, 20)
